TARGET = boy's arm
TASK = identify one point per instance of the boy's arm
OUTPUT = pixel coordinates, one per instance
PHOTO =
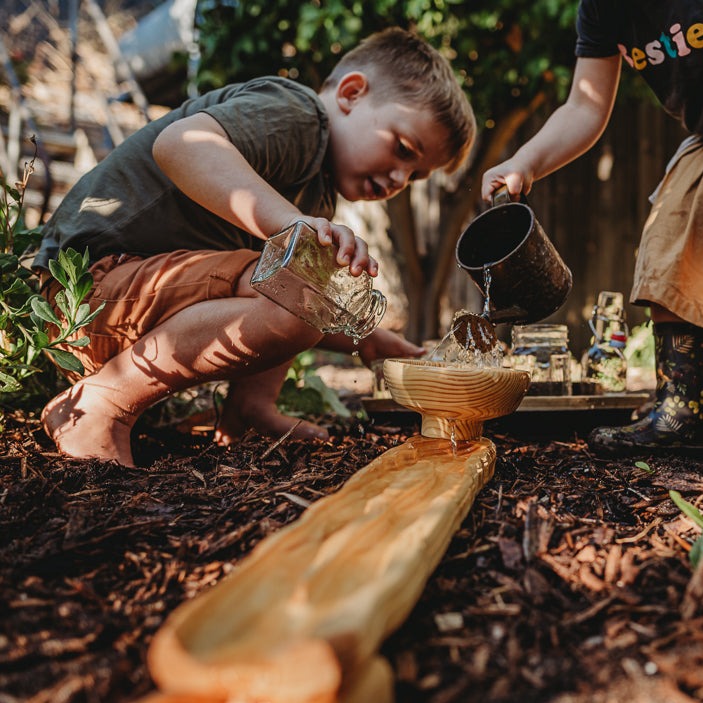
(196, 154)
(570, 131)
(380, 344)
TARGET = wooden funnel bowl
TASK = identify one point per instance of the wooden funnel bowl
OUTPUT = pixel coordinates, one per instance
(454, 401)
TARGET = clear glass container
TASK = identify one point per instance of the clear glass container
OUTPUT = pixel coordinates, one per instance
(604, 361)
(543, 350)
(303, 277)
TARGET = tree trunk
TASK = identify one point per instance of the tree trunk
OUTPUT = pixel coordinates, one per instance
(404, 237)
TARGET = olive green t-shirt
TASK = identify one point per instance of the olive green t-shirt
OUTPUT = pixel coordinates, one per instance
(127, 205)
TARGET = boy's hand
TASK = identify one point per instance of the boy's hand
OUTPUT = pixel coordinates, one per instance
(352, 250)
(380, 344)
(384, 344)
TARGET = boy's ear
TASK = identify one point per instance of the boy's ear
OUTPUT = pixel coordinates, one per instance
(351, 87)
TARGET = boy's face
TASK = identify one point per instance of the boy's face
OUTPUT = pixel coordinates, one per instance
(378, 147)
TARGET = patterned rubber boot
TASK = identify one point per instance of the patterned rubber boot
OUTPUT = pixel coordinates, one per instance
(674, 425)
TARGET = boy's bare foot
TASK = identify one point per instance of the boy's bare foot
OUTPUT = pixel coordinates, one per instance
(86, 426)
(264, 418)
(251, 404)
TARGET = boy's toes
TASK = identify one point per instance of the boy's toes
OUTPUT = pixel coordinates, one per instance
(223, 438)
(309, 430)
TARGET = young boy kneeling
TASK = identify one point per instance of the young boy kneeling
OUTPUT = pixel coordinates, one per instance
(175, 218)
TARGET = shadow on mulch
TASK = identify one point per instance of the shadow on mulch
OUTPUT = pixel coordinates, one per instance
(569, 582)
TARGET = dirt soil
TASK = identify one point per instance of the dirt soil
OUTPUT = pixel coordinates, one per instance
(569, 581)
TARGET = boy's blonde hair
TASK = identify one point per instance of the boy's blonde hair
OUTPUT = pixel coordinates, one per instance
(402, 66)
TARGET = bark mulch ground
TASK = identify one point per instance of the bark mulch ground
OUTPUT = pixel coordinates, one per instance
(569, 582)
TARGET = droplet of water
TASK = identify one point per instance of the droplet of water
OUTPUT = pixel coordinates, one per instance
(487, 287)
(452, 434)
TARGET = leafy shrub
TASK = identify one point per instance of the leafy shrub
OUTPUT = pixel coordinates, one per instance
(25, 316)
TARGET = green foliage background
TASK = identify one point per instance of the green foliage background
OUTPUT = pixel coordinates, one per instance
(503, 52)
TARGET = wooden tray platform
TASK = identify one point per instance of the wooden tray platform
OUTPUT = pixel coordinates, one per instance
(537, 403)
(537, 416)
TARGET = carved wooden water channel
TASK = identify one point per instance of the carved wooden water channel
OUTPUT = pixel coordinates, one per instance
(302, 618)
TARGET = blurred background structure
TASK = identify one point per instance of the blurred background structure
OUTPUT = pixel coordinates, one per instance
(83, 74)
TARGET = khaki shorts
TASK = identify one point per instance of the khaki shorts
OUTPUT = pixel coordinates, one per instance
(141, 293)
(669, 268)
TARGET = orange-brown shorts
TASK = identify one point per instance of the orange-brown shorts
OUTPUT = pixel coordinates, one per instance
(669, 269)
(141, 293)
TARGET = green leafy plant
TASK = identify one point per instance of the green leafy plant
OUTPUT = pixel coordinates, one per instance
(691, 512)
(304, 393)
(25, 316)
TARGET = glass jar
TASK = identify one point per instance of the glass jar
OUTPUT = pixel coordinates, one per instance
(303, 277)
(543, 350)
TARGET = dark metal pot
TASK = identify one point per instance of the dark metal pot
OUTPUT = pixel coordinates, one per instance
(528, 279)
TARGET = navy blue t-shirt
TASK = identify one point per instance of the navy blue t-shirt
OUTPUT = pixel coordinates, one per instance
(661, 40)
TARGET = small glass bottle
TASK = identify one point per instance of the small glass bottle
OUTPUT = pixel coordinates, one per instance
(533, 349)
(303, 277)
(604, 361)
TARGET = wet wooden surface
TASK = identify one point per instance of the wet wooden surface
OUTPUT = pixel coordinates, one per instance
(303, 617)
